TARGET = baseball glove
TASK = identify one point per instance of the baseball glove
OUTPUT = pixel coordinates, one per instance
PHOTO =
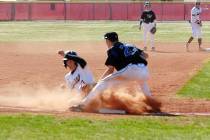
(199, 22)
(153, 30)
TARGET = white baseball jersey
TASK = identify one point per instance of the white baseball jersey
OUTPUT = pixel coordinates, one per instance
(79, 78)
(195, 14)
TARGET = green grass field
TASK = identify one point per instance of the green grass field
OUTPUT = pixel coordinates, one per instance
(27, 127)
(92, 31)
(199, 85)
(33, 127)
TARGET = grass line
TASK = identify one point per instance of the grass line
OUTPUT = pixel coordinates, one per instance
(92, 31)
(199, 85)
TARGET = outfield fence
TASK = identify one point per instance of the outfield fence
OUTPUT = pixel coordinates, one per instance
(94, 11)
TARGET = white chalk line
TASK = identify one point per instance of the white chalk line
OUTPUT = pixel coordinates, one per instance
(118, 112)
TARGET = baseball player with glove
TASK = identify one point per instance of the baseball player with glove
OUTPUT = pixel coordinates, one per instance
(79, 77)
(196, 25)
(130, 64)
(147, 20)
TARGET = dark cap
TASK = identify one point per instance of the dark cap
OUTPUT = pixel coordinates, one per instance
(197, 3)
(72, 55)
(112, 36)
(147, 3)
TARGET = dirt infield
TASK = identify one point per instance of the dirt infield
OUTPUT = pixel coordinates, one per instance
(27, 67)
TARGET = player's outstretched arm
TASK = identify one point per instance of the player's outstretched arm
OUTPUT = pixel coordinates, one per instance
(155, 23)
(145, 55)
(110, 70)
(205, 8)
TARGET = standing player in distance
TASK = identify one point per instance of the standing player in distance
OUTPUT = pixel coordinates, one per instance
(79, 77)
(130, 65)
(196, 25)
(147, 20)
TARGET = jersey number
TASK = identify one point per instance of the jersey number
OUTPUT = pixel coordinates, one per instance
(129, 50)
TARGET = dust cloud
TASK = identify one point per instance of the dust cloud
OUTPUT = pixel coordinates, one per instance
(126, 97)
(39, 98)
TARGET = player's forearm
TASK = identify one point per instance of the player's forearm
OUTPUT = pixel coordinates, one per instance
(140, 23)
(145, 55)
(109, 71)
(87, 88)
(204, 9)
(155, 23)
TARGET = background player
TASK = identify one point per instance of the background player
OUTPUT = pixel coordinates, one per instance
(79, 77)
(196, 25)
(147, 20)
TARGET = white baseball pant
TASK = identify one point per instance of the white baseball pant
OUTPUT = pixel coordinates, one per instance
(196, 30)
(133, 72)
(146, 30)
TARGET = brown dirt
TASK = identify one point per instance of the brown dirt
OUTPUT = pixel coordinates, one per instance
(37, 64)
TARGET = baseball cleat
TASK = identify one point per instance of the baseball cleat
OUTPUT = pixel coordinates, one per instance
(145, 48)
(153, 48)
(76, 108)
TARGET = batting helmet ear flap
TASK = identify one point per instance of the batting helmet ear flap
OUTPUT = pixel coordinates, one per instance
(65, 63)
(71, 55)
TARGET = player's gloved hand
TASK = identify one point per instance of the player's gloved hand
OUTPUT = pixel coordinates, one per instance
(153, 30)
(199, 22)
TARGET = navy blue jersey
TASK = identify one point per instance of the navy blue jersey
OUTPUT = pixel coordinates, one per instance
(120, 55)
(148, 16)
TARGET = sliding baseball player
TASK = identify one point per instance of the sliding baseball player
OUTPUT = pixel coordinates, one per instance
(79, 78)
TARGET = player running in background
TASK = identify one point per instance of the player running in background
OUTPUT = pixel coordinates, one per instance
(196, 25)
(147, 20)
